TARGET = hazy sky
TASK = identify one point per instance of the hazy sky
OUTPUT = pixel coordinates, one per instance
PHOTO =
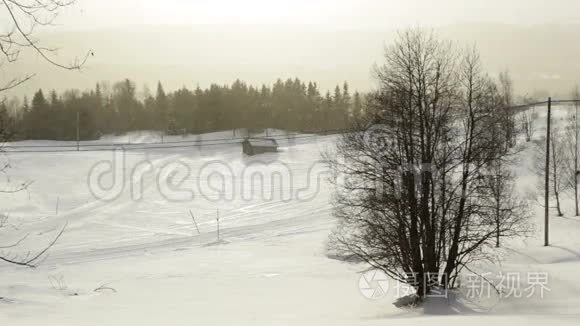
(198, 42)
(335, 13)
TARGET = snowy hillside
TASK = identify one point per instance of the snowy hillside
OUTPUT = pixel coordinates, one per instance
(138, 258)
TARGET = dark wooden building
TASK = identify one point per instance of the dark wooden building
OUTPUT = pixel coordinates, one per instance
(255, 146)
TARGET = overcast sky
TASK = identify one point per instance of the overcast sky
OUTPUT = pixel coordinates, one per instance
(193, 42)
(332, 13)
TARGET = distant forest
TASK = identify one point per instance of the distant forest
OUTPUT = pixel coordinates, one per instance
(290, 105)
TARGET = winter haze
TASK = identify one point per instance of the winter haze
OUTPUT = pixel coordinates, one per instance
(189, 43)
(275, 163)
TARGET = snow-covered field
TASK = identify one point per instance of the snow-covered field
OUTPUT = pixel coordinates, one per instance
(137, 258)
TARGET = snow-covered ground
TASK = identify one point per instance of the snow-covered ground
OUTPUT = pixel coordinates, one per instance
(137, 258)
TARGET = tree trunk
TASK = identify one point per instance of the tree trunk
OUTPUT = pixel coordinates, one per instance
(497, 224)
(414, 237)
(555, 173)
(560, 214)
(576, 192)
(576, 131)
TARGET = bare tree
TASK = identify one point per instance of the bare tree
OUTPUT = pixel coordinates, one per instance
(30, 259)
(527, 119)
(411, 196)
(572, 143)
(24, 17)
(508, 211)
(506, 92)
(559, 160)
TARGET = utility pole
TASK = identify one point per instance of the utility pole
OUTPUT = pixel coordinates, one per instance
(547, 175)
(78, 131)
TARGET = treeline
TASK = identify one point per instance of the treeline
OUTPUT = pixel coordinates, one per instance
(290, 105)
